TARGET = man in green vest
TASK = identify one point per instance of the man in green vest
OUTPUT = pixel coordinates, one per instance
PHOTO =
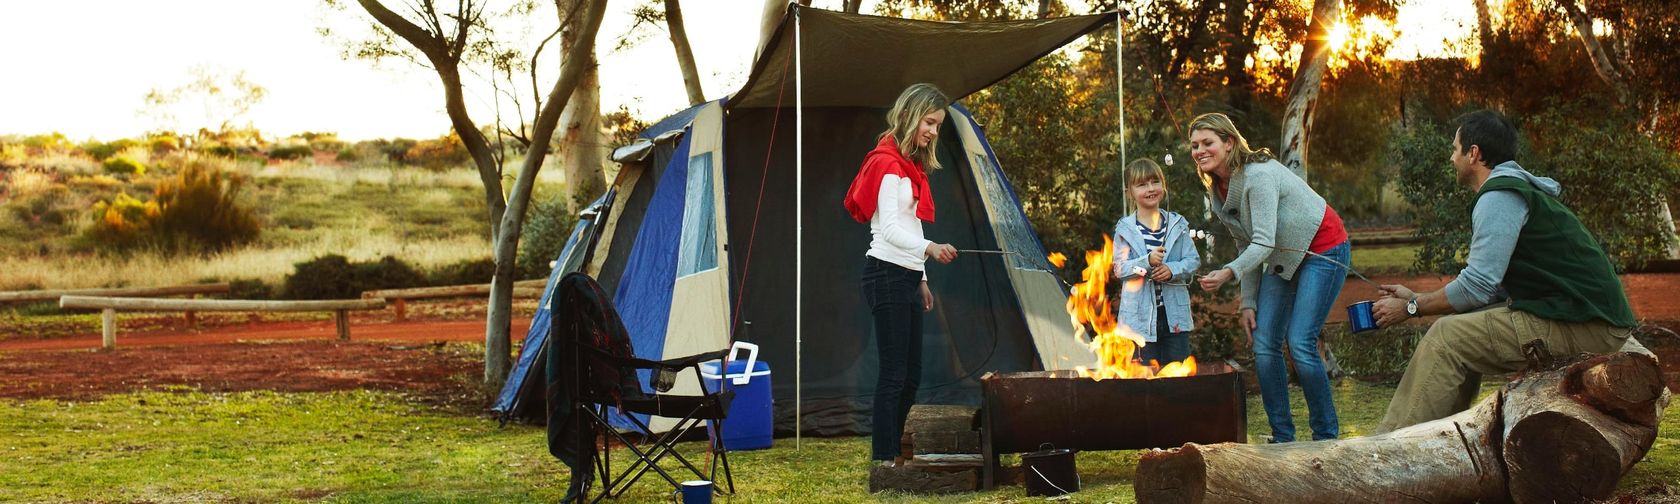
(1525, 247)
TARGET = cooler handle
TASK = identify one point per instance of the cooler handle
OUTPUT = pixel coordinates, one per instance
(752, 359)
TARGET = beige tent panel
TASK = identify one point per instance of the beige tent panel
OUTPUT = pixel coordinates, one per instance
(852, 60)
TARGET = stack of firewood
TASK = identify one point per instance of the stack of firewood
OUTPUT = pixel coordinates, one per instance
(1560, 435)
(941, 453)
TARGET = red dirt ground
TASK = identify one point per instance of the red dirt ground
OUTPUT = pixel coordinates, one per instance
(282, 356)
(408, 356)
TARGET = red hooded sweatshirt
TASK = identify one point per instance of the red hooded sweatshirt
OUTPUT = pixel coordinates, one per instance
(885, 160)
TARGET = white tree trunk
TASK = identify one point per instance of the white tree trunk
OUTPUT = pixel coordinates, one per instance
(581, 139)
(685, 54)
(1605, 67)
(1303, 92)
(578, 60)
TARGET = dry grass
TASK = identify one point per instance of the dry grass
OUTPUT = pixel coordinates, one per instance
(271, 265)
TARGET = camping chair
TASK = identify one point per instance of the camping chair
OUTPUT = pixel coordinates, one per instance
(592, 367)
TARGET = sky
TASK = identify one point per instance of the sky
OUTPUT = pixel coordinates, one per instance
(83, 67)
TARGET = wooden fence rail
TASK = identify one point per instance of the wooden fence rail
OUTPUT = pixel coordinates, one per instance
(399, 297)
(53, 295)
(110, 305)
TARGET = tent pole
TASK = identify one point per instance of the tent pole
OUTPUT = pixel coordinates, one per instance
(1120, 80)
(798, 233)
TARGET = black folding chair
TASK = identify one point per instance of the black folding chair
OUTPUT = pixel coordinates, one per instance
(592, 368)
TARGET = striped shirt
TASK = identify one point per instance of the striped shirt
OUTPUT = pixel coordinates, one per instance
(1153, 239)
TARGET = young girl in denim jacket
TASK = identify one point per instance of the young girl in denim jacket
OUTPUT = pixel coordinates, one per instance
(1155, 259)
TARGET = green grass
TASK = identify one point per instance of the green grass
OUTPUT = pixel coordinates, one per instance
(386, 447)
(1385, 259)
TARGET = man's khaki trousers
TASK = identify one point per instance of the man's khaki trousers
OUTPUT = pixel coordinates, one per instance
(1446, 370)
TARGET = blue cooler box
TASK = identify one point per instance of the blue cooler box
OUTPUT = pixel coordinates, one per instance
(750, 425)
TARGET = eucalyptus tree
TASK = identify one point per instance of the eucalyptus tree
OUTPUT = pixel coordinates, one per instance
(459, 41)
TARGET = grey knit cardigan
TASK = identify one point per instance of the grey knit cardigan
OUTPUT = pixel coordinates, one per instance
(1268, 205)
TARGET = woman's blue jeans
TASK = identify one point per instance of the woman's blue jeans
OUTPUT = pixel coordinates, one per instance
(1293, 312)
(894, 296)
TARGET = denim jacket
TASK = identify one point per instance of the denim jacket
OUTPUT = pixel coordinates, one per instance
(1137, 308)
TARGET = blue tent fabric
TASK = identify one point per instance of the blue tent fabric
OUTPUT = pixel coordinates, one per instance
(643, 299)
(533, 343)
(537, 336)
(676, 121)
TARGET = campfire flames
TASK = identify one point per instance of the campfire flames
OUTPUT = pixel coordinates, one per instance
(1110, 338)
(1058, 259)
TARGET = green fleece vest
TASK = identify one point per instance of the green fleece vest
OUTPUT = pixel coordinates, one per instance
(1558, 271)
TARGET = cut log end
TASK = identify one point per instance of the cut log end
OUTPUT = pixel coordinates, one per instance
(1620, 384)
(1556, 457)
(1174, 476)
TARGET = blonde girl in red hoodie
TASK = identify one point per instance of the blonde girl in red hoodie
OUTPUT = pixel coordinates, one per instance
(891, 194)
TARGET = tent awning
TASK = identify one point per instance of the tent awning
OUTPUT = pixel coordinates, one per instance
(853, 60)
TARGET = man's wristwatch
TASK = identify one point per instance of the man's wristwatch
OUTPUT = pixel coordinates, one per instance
(1412, 307)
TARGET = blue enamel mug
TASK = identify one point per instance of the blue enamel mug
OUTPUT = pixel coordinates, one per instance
(1360, 318)
(693, 492)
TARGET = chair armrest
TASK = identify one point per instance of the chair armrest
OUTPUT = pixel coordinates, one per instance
(671, 364)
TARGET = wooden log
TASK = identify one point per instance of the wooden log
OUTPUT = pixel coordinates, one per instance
(1559, 446)
(524, 291)
(341, 318)
(108, 328)
(149, 304)
(1453, 459)
(1542, 438)
(940, 429)
(49, 295)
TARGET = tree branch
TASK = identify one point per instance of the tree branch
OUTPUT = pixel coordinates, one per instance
(1601, 61)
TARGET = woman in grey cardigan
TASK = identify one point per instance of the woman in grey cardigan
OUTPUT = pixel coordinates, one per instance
(1290, 267)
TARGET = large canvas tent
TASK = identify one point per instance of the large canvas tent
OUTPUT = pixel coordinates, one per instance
(725, 222)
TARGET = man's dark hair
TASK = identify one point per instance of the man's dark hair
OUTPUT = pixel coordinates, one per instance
(1490, 131)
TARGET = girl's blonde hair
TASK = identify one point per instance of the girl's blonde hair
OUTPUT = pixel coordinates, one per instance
(1142, 170)
(1241, 153)
(918, 100)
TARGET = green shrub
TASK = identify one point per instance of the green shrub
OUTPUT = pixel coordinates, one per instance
(195, 211)
(1380, 355)
(334, 277)
(99, 151)
(387, 273)
(163, 143)
(246, 288)
(218, 149)
(122, 223)
(290, 152)
(326, 277)
(1613, 178)
(348, 155)
(201, 210)
(396, 149)
(436, 154)
(470, 271)
(546, 231)
(124, 165)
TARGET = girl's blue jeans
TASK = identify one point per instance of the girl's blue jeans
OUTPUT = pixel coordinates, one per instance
(1292, 312)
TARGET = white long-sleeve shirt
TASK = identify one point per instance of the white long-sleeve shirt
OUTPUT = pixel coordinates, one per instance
(895, 232)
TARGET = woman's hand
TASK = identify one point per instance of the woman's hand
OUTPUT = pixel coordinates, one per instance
(1213, 281)
(1157, 256)
(1160, 273)
(927, 298)
(942, 252)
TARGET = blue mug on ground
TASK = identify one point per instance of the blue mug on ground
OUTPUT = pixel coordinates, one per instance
(1360, 318)
(693, 492)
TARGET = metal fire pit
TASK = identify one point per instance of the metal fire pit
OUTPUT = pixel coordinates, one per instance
(1022, 411)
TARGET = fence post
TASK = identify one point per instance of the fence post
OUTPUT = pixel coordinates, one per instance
(108, 326)
(402, 309)
(342, 317)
